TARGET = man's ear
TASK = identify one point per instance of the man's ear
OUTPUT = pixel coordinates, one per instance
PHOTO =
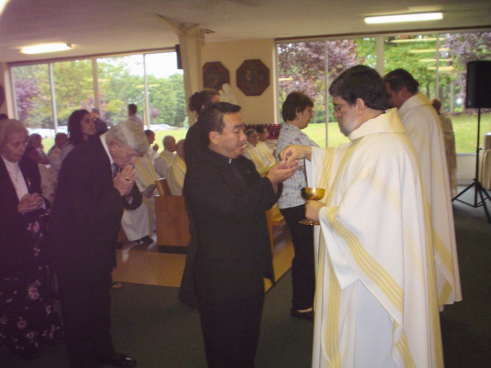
(360, 105)
(213, 136)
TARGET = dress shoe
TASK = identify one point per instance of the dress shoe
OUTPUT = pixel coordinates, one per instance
(144, 240)
(309, 316)
(117, 360)
(30, 353)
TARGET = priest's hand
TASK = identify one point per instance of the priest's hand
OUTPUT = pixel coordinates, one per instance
(312, 209)
(295, 152)
(125, 180)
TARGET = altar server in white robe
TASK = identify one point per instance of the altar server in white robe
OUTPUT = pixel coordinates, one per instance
(423, 127)
(376, 301)
(153, 149)
(262, 146)
(251, 152)
(139, 224)
(177, 171)
(166, 157)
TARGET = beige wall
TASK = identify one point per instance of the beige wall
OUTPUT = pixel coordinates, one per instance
(255, 109)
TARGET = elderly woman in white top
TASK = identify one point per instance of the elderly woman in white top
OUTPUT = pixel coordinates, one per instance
(27, 315)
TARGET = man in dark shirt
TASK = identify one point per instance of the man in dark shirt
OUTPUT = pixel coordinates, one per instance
(227, 200)
(100, 125)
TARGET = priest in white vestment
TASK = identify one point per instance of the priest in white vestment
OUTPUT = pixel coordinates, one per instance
(177, 171)
(423, 127)
(166, 157)
(376, 300)
(251, 152)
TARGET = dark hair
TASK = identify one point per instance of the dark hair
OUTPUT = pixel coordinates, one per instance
(249, 132)
(362, 82)
(75, 126)
(198, 99)
(211, 119)
(295, 102)
(148, 132)
(3, 117)
(132, 108)
(260, 129)
(95, 109)
(399, 78)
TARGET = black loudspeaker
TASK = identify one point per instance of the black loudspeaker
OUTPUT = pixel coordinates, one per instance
(178, 54)
(478, 89)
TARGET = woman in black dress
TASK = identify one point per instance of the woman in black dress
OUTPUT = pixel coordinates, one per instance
(27, 315)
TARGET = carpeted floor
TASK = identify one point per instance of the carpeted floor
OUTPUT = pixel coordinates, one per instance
(150, 325)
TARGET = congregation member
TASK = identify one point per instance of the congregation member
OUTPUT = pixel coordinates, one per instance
(166, 157)
(153, 150)
(177, 171)
(262, 145)
(27, 314)
(80, 129)
(35, 151)
(54, 153)
(97, 180)
(376, 302)
(449, 140)
(251, 152)
(132, 110)
(100, 125)
(227, 200)
(423, 127)
(297, 112)
(195, 144)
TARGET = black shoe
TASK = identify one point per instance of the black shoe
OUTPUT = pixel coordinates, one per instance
(31, 353)
(117, 360)
(147, 240)
(309, 316)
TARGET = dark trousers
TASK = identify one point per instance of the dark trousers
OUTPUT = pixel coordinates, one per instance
(231, 330)
(86, 314)
(303, 274)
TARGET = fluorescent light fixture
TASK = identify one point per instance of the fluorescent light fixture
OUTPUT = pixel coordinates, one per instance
(48, 47)
(415, 17)
(285, 79)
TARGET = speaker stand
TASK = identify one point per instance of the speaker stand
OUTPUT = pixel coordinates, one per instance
(478, 188)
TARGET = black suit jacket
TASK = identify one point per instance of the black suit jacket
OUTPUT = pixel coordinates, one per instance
(228, 212)
(86, 215)
(14, 240)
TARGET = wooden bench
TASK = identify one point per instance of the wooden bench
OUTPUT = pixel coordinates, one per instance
(274, 218)
(172, 221)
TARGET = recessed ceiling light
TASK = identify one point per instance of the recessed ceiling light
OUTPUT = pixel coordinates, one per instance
(415, 17)
(49, 47)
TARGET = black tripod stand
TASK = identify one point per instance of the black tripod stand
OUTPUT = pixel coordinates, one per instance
(478, 188)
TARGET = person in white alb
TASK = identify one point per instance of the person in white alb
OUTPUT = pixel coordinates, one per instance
(376, 301)
(263, 148)
(251, 152)
(166, 157)
(153, 150)
(177, 171)
(423, 127)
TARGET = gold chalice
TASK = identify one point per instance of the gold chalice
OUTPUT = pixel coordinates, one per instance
(313, 194)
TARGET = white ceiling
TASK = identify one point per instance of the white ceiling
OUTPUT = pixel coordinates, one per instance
(111, 26)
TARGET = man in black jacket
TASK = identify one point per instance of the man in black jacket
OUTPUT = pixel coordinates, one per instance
(96, 181)
(227, 200)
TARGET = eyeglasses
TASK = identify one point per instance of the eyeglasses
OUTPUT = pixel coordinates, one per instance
(337, 108)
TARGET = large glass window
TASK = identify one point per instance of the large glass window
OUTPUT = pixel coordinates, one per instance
(73, 88)
(121, 82)
(302, 67)
(32, 96)
(437, 61)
